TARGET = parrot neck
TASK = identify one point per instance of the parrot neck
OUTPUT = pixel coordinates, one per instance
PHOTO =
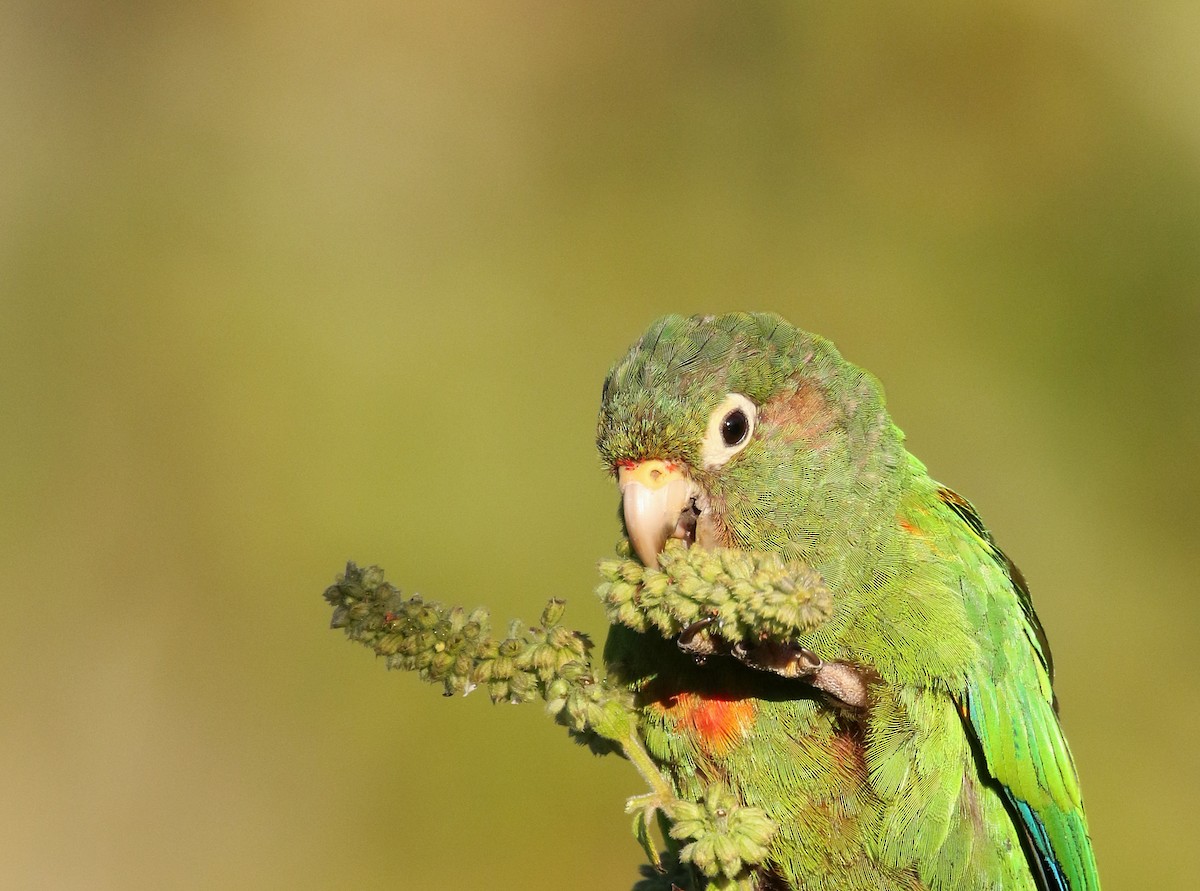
(849, 525)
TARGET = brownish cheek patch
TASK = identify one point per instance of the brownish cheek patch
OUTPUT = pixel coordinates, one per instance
(716, 724)
(804, 414)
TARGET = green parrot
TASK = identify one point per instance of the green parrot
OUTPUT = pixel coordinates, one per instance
(911, 739)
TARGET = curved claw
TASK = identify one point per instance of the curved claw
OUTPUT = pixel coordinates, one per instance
(689, 638)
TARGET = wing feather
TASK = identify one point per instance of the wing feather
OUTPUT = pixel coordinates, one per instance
(1010, 712)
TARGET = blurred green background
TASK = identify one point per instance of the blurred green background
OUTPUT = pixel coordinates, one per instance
(286, 284)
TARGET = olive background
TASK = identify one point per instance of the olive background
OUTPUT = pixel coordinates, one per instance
(283, 285)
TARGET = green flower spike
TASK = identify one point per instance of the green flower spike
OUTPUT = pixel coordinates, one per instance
(749, 595)
(719, 838)
(456, 649)
(725, 839)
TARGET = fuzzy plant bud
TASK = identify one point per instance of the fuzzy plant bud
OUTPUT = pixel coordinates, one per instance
(724, 837)
(744, 593)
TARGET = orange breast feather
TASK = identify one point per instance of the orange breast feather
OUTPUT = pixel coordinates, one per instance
(716, 724)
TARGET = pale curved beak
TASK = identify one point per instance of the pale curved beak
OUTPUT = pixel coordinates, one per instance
(654, 496)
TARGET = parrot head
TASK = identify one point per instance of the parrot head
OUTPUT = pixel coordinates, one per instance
(742, 431)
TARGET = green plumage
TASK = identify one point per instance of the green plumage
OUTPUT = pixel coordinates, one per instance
(954, 773)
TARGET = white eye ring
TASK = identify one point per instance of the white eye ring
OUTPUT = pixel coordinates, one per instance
(730, 428)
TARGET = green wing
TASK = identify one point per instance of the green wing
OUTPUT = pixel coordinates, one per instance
(1010, 712)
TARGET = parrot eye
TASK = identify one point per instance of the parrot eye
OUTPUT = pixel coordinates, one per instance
(735, 427)
(729, 430)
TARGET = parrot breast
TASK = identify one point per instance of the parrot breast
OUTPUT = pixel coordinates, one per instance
(715, 723)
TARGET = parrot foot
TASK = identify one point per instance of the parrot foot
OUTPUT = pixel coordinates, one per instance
(846, 683)
(699, 646)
